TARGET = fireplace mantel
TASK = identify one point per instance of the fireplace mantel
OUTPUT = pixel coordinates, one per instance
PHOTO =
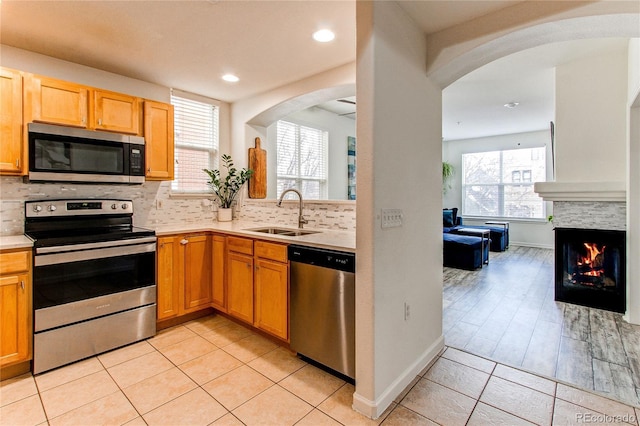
(581, 191)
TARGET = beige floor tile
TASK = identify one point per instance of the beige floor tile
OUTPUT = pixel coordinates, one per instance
(207, 367)
(250, 348)
(227, 420)
(206, 324)
(339, 407)
(25, 412)
(193, 408)
(438, 403)
(227, 334)
(509, 397)
(275, 406)
(593, 402)
(77, 393)
(407, 389)
(137, 369)
(525, 379)
(237, 386)
(317, 418)
(277, 364)
(470, 360)
(312, 384)
(17, 388)
(114, 409)
(485, 415)
(400, 416)
(159, 389)
(566, 413)
(138, 421)
(188, 349)
(458, 377)
(170, 336)
(68, 373)
(120, 355)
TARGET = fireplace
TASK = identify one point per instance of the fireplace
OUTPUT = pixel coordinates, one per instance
(590, 268)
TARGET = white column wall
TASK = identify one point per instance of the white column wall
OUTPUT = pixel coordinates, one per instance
(399, 167)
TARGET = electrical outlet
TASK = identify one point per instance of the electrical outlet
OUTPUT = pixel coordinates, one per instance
(407, 311)
(391, 218)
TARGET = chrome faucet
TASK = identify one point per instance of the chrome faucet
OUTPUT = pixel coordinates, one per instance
(301, 219)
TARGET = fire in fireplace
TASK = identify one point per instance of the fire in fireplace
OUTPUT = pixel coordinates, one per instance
(590, 268)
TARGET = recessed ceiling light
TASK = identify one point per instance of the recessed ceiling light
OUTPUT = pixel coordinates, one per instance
(230, 78)
(511, 104)
(324, 36)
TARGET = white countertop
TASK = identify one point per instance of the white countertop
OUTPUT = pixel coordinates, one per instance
(323, 238)
(15, 242)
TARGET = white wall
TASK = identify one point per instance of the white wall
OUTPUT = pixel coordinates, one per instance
(591, 123)
(338, 128)
(399, 150)
(526, 232)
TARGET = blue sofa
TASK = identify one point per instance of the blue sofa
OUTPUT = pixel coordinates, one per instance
(498, 234)
(461, 251)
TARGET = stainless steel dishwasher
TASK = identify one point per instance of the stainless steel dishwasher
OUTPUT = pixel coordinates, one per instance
(322, 320)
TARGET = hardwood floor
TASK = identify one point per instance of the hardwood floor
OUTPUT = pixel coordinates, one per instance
(506, 311)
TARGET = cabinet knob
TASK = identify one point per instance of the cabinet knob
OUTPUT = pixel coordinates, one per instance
(99, 121)
(184, 241)
(149, 169)
(22, 285)
(17, 163)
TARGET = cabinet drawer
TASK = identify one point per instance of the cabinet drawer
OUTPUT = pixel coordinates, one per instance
(14, 262)
(240, 245)
(277, 252)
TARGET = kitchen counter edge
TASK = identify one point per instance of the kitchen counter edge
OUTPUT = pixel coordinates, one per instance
(11, 242)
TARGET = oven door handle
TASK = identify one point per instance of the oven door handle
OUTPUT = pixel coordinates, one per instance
(101, 253)
(88, 246)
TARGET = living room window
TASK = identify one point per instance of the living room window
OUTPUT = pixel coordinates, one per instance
(302, 159)
(196, 128)
(500, 183)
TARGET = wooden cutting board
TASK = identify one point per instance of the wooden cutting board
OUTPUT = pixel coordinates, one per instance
(258, 163)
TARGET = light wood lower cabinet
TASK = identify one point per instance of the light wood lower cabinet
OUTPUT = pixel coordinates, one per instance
(240, 278)
(15, 307)
(271, 308)
(219, 292)
(184, 274)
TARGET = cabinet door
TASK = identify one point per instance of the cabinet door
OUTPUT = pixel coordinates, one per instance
(158, 136)
(240, 286)
(57, 102)
(12, 153)
(15, 311)
(219, 282)
(272, 297)
(169, 272)
(116, 112)
(197, 272)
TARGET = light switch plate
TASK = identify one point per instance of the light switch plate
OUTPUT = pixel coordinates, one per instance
(391, 218)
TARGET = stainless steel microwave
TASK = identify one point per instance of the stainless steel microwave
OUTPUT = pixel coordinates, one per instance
(67, 154)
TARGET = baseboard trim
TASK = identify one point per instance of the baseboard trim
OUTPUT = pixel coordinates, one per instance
(533, 245)
(374, 409)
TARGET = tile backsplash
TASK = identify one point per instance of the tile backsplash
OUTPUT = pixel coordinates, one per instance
(154, 205)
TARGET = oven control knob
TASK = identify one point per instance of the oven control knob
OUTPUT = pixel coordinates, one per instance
(37, 208)
(52, 208)
(114, 206)
(124, 206)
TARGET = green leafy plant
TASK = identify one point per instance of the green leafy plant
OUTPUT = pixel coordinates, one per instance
(447, 173)
(226, 188)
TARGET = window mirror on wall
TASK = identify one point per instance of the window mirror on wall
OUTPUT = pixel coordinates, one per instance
(314, 152)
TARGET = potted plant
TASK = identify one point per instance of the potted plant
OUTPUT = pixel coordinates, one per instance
(226, 188)
(447, 173)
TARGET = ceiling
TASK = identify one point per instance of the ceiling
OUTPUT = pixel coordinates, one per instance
(189, 45)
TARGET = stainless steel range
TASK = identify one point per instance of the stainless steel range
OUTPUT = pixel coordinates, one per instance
(94, 282)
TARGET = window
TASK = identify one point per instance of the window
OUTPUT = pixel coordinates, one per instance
(196, 143)
(500, 183)
(302, 160)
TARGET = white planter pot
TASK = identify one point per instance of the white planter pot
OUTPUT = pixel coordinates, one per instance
(225, 215)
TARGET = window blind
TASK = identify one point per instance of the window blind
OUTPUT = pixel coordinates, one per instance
(196, 136)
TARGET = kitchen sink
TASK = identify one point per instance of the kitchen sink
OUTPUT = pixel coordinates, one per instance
(283, 231)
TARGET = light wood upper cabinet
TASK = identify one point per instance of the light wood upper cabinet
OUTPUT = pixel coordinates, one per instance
(116, 112)
(159, 142)
(48, 100)
(168, 277)
(13, 153)
(15, 307)
(219, 282)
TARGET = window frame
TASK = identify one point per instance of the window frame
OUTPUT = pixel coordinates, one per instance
(214, 151)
